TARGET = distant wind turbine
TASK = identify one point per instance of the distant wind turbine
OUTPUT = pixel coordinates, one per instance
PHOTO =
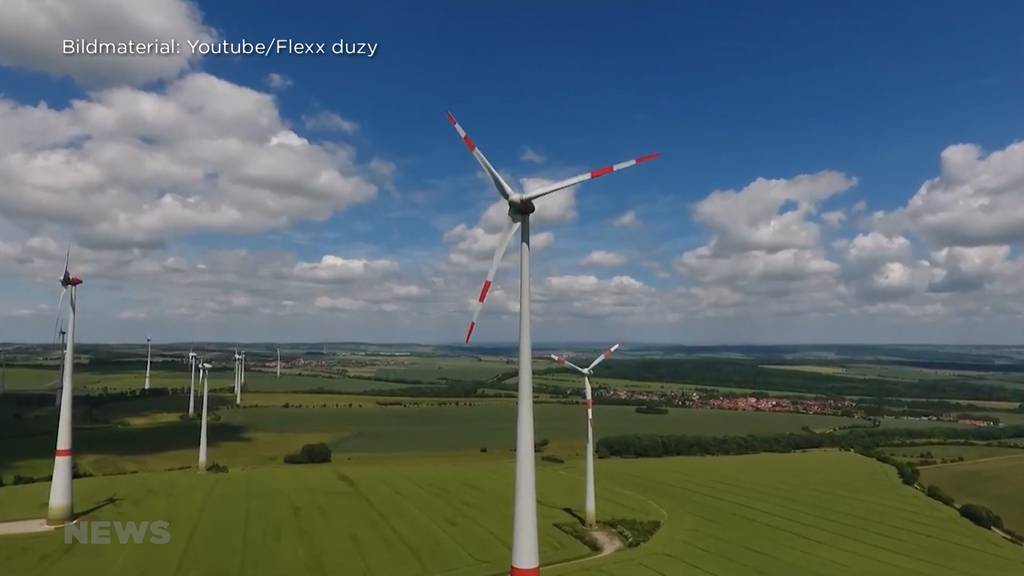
(204, 375)
(278, 364)
(238, 378)
(590, 502)
(525, 554)
(60, 508)
(192, 385)
(149, 355)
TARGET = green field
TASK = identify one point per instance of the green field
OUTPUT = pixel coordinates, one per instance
(262, 434)
(813, 513)
(994, 482)
(36, 379)
(951, 451)
(434, 368)
(423, 485)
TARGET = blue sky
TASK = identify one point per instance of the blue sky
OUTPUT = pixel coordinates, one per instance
(866, 96)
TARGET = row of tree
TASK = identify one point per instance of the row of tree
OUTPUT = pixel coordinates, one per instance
(865, 440)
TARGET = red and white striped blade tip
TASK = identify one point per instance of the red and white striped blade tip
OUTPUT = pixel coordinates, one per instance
(484, 290)
(469, 332)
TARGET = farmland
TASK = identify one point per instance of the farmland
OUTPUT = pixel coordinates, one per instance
(993, 481)
(421, 474)
(812, 513)
(264, 431)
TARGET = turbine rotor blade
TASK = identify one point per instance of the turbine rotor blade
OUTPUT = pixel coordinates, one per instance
(503, 241)
(601, 358)
(58, 323)
(544, 191)
(561, 360)
(503, 188)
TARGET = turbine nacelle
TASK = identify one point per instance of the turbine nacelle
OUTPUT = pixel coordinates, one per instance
(68, 279)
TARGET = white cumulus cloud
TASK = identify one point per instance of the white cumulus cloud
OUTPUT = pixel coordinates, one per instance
(603, 258)
(129, 167)
(32, 32)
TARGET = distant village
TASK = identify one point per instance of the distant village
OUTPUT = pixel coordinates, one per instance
(698, 399)
(809, 405)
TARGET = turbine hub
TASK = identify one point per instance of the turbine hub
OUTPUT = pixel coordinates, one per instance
(518, 207)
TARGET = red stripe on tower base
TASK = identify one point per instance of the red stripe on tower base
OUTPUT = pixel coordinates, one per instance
(601, 172)
(589, 403)
(483, 291)
(469, 142)
(61, 453)
(524, 571)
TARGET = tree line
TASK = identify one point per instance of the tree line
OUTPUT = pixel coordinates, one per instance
(858, 439)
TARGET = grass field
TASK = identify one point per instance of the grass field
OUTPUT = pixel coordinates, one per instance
(35, 379)
(814, 513)
(432, 368)
(491, 424)
(146, 434)
(952, 451)
(994, 482)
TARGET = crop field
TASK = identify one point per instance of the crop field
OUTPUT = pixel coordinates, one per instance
(951, 451)
(994, 482)
(432, 369)
(35, 379)
(812, 513)
(814, 368)
(147, 434)
(491, 424)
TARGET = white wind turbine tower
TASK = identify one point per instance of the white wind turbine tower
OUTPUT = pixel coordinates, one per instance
(60, 370)
(278, 365)
(204, 376)
(525, 554)
(149, 356)
(61, 506)
(192, 385)
(241, 383)
(590, 503)
(238, 378)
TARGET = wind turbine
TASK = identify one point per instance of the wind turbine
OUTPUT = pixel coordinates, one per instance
(192, 386)
(61, 506)
(238, 378)
(204, 375)
(278, 365)
(242, 383)
(525, 554)
(149, 355)
(590, 503)
(60, 371)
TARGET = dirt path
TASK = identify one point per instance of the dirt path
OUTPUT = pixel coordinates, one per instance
(607, 539)
(25, 527)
